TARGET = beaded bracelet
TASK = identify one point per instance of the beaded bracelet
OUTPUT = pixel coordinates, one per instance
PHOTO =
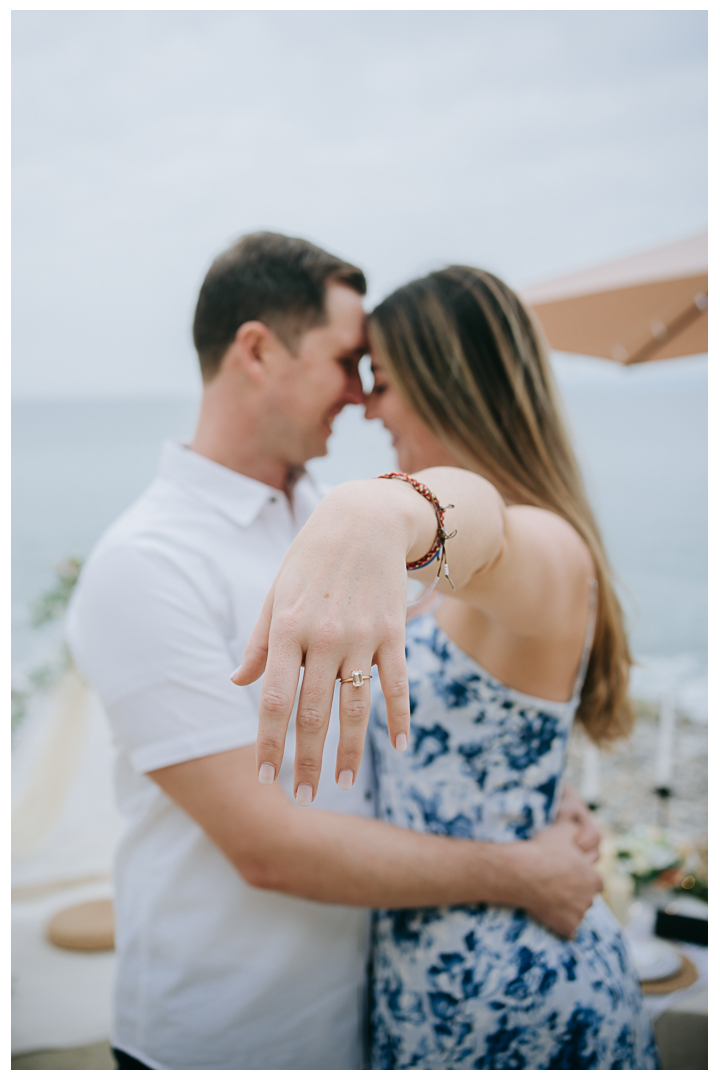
(437, 551)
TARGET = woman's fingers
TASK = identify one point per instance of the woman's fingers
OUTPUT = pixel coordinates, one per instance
(392, 669)
(256, 652)
(354, 715)
(277, 698)
(311, 724)
(334, 617)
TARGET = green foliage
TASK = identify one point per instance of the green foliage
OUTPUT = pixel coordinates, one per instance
(18, 708)
(52, 604)
(48, 607)
(43, 677)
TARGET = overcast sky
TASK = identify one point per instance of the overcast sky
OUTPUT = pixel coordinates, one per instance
(529, 143)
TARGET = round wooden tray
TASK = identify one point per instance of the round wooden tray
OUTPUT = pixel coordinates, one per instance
(686, 976)
(86, 927)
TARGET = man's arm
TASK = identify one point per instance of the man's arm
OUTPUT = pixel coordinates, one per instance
(345, 859)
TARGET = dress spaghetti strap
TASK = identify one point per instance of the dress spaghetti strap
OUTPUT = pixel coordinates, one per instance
(589, 635)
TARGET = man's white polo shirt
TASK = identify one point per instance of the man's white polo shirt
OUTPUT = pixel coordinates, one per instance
(212, 973)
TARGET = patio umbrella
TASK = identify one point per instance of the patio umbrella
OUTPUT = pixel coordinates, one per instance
(651, 306)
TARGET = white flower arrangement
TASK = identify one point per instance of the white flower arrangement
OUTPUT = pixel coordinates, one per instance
(645, 853)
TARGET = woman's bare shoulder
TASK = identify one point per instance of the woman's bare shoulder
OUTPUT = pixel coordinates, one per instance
(552, 535)
(538, 586)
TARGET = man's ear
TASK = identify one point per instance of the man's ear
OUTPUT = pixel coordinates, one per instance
(249, 350)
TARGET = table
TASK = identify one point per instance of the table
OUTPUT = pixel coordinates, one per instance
(681, 1018)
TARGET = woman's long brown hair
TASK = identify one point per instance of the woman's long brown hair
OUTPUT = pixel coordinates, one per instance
(468, 357)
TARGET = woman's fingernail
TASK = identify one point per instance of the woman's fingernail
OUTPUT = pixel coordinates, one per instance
(266, 773)
(345, 780)
(303, 795)
(401, 742)
(235, 672)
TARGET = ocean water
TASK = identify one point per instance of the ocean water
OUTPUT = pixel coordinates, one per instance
(640, 435)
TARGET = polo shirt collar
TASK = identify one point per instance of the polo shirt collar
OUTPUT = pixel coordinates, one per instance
(234, 495)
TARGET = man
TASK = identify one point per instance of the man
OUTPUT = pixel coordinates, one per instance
(242, 922)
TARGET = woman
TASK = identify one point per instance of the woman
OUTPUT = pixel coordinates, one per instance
(526, 636)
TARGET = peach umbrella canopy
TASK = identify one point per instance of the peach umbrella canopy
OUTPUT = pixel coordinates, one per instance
(651, 306)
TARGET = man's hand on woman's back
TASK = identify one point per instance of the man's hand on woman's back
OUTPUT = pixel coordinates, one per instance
(555, 880)
(574, 810)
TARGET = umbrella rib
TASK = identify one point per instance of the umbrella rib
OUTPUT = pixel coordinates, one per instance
(679, 323)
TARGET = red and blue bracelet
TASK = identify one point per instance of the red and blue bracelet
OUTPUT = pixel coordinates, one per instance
(437, 551)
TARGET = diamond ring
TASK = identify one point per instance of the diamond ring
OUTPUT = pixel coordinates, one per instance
(356, 678)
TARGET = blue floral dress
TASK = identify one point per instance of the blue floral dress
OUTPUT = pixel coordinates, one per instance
(480, 986)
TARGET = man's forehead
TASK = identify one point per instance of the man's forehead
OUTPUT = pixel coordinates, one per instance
(347, 318)
(362, 340)
(342, 300)
(358, 345)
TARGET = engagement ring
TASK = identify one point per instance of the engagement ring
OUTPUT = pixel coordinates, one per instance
(357, 678)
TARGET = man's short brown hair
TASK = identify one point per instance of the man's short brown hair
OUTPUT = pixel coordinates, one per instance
(278, 280)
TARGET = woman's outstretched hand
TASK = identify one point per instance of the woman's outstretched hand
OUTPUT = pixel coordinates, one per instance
(337, 606)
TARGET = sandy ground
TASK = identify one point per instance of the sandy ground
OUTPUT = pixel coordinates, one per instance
(60, 999)
(95, 1056)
